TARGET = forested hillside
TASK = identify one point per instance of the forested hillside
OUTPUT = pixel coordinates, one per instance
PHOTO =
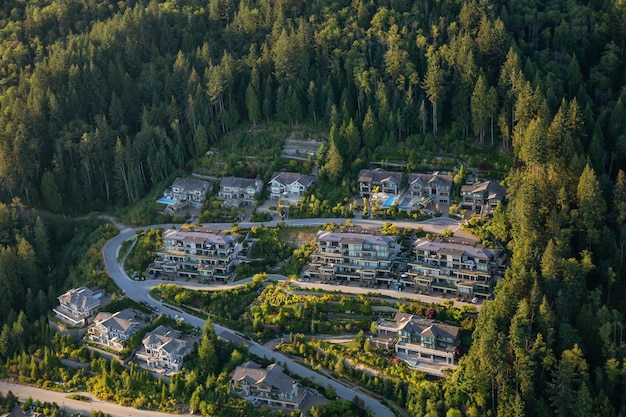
(100, 101)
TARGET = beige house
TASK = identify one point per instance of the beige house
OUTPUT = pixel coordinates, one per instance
(238, 192)
(289, 184)
(113, 329)
(269, 386)
(201, 252)
(378, 180)
(482, 197)
(425, 344)
(454, 266)
(164, 349)
(78, 305)
(354, 255)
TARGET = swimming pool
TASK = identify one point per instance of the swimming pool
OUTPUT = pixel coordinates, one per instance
(389, 201)
(167, 201)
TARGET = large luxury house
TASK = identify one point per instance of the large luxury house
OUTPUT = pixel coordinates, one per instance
(353, 255)
(482, 197)
(379, 180)
(185, 193)
(289, 184)
(78, 306)
(430, 188)
(237, 192)
(113, 329)
(454, 266)
(164, 349)
(196, 253)
(424, 344)
(269, 386)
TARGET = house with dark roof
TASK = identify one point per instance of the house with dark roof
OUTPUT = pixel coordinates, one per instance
(424, 344)
(379, 180)
(164, 349)
(427, 188)
(113, 329)
(289, 184)
(482, 197)
(267, 386)
(185, 193)
(78, 305)
(237, 192)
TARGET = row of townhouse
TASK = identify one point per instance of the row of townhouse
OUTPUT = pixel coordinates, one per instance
(235, 192)
(353, 255)
(201, 253)
(425, 188)
(451, 266)
(163, 348)
(425, 344)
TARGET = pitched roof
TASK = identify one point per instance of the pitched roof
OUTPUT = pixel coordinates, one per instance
(191, 184)
(434, 178)
(493, 189)
(379, 175)
(81, 297)
(272, 376)
(426, 327)
(235, 182)
(161, 336)
(120, 321)
(287, 178)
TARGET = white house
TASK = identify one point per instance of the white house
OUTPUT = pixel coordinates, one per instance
(289, 184)
(78, 305)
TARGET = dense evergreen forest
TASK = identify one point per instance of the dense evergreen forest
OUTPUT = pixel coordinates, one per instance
(102, 101)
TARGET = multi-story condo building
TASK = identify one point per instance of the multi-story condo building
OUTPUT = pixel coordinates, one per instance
(197, 253)
(482, 197)
(431, 188)
(454, 266)
(424, 344)
(378, 179)
(269, 386)
(353, 255)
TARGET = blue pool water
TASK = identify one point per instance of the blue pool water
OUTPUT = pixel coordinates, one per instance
(168, 201)
(389, 201)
